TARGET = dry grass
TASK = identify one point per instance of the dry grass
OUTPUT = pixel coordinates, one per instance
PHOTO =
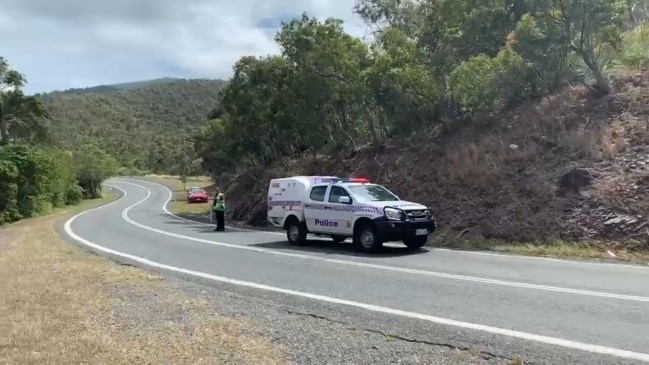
(483, 162)
(555, 249)
(60, 305)
(559, 121)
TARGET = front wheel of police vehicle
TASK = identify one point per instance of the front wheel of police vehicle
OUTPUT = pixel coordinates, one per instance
(367, 239)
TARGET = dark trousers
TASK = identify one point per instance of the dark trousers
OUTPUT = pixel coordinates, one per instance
(219, 216)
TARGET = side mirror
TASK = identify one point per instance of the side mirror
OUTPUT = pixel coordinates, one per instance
(344, 200)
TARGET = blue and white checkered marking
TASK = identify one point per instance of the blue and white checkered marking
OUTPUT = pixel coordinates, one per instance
(281, 203)
(343, 208)
(329, 207)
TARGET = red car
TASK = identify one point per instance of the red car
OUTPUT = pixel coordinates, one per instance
(197, 195)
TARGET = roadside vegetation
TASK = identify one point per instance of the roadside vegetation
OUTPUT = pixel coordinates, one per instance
(516, 121)
(61, 305)
(36, 174)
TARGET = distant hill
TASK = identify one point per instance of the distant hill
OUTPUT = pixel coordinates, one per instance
(119, 87)
(143, 124)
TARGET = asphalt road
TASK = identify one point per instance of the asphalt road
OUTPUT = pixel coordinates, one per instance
(546, 311)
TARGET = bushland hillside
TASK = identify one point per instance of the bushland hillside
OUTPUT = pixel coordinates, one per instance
(514, 120)
(146, 126)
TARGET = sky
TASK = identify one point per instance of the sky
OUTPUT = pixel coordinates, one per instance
(61, 44)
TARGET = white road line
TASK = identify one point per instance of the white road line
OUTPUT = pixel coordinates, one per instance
(464, 252)
(126, 217)
(597, 349)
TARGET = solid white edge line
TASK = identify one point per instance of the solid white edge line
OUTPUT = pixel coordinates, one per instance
(507, 256)
(374, 308)
(474, 279)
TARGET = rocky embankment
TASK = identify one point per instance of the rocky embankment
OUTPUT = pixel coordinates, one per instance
(566, 168)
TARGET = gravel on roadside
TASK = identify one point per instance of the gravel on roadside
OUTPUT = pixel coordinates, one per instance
(309, 338)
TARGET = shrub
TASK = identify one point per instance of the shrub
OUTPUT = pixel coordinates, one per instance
(93, 167)
(29, 177)
(635, 48)
(34, 180)
(486, 85)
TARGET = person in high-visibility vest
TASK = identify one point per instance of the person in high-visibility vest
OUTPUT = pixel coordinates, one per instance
(218, 206)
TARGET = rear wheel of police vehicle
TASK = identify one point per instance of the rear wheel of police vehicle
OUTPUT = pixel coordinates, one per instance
(415, 242)
(296, 233)
(366, 239)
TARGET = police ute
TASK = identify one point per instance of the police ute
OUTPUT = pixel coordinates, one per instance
(346, 208)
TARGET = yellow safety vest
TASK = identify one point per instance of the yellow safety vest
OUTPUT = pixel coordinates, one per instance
(219, 202)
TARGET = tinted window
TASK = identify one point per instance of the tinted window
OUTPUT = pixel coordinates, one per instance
(197, 191)
(336, 192)
(318, 193)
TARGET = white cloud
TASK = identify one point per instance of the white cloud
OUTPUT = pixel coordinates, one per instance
(78, 43)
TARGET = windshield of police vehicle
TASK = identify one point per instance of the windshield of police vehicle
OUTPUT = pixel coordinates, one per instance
(374, 193)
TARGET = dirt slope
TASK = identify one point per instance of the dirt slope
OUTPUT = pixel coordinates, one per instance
(567, 168)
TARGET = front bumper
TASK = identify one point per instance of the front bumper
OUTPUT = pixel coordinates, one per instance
(390, 230)
(197, 200)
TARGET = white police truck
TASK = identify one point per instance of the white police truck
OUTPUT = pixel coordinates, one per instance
(346, 208)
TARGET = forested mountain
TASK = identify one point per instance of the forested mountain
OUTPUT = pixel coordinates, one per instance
(145, 125)
(481, 110)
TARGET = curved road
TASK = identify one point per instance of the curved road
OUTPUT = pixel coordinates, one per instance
(544, 310)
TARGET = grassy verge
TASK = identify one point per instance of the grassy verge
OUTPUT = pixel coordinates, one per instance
(60, 305)
(557, 249)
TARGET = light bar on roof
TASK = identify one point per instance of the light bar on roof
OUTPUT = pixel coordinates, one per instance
(354, 179)
(334, 179)
(324, 179)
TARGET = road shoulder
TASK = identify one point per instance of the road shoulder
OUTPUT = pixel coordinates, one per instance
(63, 305)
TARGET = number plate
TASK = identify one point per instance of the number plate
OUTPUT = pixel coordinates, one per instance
(421, 232)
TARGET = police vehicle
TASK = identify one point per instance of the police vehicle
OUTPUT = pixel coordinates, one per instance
(346, 208)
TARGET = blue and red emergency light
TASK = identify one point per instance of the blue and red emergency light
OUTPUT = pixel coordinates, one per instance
(329, 179)
(356, 179)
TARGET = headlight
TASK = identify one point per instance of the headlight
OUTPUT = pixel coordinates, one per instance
(427, 212)
(392, 213)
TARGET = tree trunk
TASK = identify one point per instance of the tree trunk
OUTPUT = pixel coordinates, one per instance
(602, 82)
(4, 132)
(4, 127)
